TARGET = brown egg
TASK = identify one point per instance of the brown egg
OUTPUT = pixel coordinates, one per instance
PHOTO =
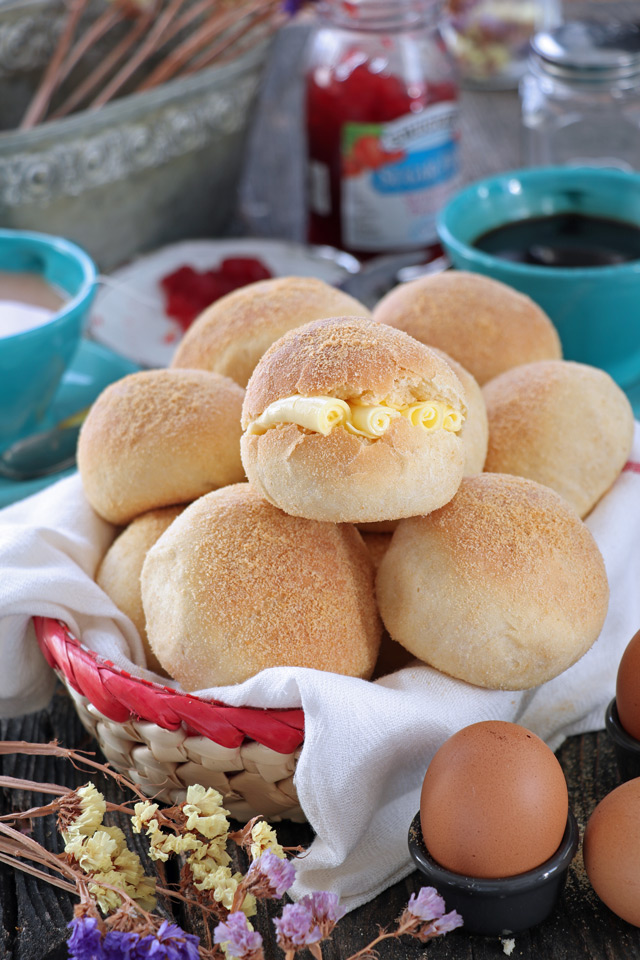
(628, 688)
(494, 801)
(611, 851)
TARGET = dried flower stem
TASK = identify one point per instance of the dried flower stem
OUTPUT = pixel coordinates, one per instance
(39, 874)
(107, 19)
(38, 106)
(144, 51)
(14, 783)
(76, 757)
(209, 56)
(195, 43)
(108, 65)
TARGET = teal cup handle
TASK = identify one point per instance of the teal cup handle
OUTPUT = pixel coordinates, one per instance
(596, 310)
(32, 363)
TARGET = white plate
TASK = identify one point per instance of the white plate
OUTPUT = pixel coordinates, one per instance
(128, 314)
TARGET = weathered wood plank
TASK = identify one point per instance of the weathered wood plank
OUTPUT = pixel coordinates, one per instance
(34, 915)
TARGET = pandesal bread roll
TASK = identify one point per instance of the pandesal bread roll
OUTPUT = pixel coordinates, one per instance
(235, 586)
(347, 420)
(474, 432)
(503, 587)
(482, 323)
(119, 572)
(158, 438)
(567, 425)
(231, 335)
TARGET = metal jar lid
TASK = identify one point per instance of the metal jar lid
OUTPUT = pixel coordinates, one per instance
(589, 50)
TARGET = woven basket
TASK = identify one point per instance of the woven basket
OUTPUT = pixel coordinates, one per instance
(164, 740)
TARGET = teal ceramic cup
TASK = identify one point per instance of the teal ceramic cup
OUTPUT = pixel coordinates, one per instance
(32, 362)
(596, 309)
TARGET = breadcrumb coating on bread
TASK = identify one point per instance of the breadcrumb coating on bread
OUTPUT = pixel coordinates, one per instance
(566, 425)
(353, 359)
(236, 586)
(231, 335)
(482, 323)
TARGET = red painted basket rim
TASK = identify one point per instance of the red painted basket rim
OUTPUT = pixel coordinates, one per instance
(122, 697)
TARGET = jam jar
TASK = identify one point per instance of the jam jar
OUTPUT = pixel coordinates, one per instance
(382, 126)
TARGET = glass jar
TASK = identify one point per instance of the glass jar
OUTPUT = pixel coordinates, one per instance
(382, 126)
(490, 38)
(581, 96)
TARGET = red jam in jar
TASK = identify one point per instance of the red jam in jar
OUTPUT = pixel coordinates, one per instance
(382, 126)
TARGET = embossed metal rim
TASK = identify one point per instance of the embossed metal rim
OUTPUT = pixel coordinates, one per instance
(129, 107)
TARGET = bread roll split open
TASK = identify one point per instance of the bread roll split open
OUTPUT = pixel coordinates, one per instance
(347, 420)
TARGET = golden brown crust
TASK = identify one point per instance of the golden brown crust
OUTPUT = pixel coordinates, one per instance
(566, 425)
(119, 572)
(483, 324)
(158, 438)
(350, 358)
(503, 587)
(236, 586)
(233, 333)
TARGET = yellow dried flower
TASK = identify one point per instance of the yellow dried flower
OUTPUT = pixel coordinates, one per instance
(215, 852)
(221, 884)
(207, 801)
(93, 853)
(164, 844)
(203, 811)
(264, 838)
(143, 812)
(107, 900)
(107, 858)
(92, 809)
(249, 907)
(210, 827)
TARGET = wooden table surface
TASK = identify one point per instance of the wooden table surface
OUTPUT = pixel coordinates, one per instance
(34, 915)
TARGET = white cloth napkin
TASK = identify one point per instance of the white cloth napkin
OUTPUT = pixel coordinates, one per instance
(367, 745)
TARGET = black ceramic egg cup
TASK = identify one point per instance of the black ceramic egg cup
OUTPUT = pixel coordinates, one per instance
(502, 906)
(627, 748)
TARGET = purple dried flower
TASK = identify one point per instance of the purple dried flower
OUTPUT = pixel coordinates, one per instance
(296, 927)
(450, 921)
(241, 943)
(85, 942)
(120, 945)
(325, 909)
(270, 876)
(292, 6)
(169, 942)
(427, 905)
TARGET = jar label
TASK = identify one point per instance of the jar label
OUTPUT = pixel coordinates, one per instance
(396, 176)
